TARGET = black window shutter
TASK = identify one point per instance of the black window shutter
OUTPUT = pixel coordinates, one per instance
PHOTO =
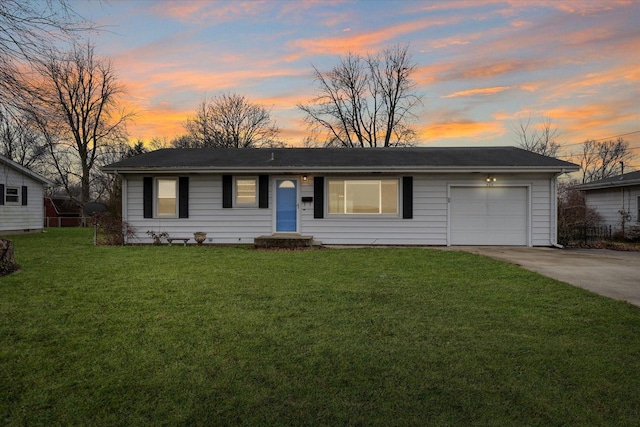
(227, 191)
(183, 197)
(318, 197)
(24, 195)
(147, 196)
(1, 194)
(407, 197)
(263, 191)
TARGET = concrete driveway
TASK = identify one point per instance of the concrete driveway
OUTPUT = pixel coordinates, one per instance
(614, 274)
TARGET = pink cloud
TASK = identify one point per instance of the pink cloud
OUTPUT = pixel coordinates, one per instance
(489, 68)
(359, 42)
(460, 129)
(478, 92)
(159, 120)
(601, 84)
(204, 12)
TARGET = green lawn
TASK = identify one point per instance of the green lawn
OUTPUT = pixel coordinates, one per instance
(147, 335)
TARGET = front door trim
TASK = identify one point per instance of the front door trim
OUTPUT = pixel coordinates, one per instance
(295, 205)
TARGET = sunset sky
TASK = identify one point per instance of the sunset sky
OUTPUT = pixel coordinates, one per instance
(482, 65)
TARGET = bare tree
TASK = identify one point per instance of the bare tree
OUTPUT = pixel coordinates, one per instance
(540, 139)
(77, 107)
(158, 143)
(602, 159)
(28, 29)
(231, 121)
(365, 101)
(20, 139)
(108, 187)
(186, 141)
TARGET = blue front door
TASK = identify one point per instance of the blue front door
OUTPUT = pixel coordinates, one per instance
(286, 205)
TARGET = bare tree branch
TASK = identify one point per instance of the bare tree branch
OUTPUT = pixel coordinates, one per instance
(365, 101)
(77, 109)
(540, 139)
(603, 159)
(28, 31)
(230, 120)
(20, 139)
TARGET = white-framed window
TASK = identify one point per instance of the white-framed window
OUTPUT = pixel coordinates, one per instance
(12, 195)
(166, 197)
(246, 191)
(363, 197)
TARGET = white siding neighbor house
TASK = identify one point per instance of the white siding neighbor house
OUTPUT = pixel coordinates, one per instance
(377, 196)
(611, 197)
(21, 198)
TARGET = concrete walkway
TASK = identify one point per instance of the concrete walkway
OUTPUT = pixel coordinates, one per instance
(615, 274)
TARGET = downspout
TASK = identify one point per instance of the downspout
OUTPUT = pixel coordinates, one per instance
(622, 211)
(553, 237)
(124, 201)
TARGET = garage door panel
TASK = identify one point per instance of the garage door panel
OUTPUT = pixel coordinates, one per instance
(488, 216)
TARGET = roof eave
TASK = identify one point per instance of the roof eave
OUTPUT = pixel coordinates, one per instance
(26, 171)
(604, 185)
(342, 169)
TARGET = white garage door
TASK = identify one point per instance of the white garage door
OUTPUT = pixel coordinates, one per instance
(488, 216)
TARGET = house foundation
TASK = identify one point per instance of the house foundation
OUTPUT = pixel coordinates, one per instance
(284, 241)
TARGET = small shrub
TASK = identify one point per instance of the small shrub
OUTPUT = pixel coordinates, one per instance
(574, 216)
(112, 230)
(158, 236)
(633, 234)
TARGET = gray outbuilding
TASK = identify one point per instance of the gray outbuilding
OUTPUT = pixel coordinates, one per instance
(21, 198)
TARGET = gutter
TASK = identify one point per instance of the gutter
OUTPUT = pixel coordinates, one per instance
(341, 169)
(612, 184)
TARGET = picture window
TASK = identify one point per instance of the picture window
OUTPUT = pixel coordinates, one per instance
(363, 196)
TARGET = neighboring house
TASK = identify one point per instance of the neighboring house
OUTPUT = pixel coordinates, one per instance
(612, 196)
(375, 196)
(62, 212)
(21, 195)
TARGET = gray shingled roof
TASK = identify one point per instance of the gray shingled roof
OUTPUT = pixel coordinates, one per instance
(631, 178)
(309, 159)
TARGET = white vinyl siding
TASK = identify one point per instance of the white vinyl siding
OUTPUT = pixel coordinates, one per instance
(428, 226)
(14, 216)
(205, 214)
(430, 210)
(608, 202)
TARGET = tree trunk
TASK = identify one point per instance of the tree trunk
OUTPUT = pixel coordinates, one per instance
(7, 262)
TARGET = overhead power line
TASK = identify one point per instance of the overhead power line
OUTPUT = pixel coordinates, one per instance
(603, 139)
